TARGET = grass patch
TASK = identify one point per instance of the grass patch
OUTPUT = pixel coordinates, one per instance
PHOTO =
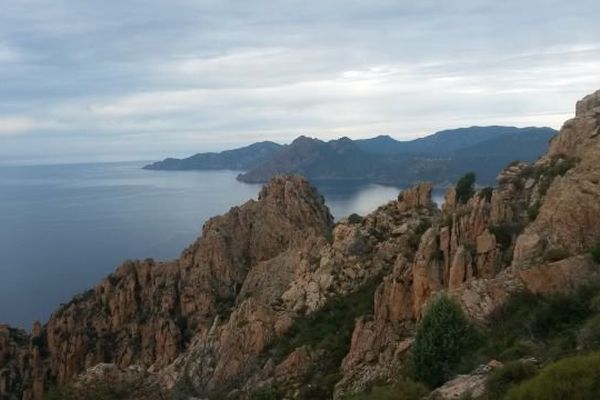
(574, 378)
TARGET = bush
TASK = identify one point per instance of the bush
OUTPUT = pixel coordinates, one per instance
(108, 390)
(588, 337)
(265, 393)
(595, 252)
(540, 326)
(502, 379)
(354, 218)
(444, 337)
(328, 330)
(487, 193)
(405, 389)
(505, 233)
(464, 188)
(533, 211)
(552, 254)
(183, 389)
(575, 378)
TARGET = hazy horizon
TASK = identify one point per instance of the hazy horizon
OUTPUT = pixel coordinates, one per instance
(191, 152)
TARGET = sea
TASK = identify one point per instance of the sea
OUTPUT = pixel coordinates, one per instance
(64, 227)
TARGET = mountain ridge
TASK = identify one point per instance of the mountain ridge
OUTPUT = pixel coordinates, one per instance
(236, 159)
(381, 159)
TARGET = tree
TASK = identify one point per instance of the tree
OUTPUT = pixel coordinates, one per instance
(464, 187)
(444, 336)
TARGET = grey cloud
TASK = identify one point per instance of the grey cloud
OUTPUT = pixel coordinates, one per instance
(147, 79)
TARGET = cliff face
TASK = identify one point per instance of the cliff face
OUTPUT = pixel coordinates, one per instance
(227, 317)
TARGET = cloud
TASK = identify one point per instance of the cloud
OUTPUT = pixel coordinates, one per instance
(14, 125)
(154, 79)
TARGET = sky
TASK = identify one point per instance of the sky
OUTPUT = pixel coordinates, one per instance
(141, 80)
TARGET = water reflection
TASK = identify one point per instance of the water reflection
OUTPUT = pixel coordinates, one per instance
(345, 198)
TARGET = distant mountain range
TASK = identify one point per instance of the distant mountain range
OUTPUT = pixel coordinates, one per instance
(440, 158)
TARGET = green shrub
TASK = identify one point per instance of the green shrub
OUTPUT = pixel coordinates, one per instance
(464, 188)
(522, 348)
(107, 390)
(533, 211)
(329, 330)
(575, 378)
(544, 185)
(552, 254)
(354, 218)
(595, 252)
(511, 374)
(444, 337)
(505, 233)
(404, 389)
(595, 302)
(542, 326)
(183, 389)
(588, 337)
(486, 193)
(266, 393)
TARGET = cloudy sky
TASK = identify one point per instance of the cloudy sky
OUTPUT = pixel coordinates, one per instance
(143, 79)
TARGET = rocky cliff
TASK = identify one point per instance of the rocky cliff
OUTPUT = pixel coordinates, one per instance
(274, 296)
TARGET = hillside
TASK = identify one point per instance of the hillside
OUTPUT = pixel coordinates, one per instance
(237, 159)
(447, 141)
(440, 158)
(275, 301)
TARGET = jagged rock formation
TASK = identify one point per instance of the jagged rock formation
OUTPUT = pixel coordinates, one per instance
(215, 319)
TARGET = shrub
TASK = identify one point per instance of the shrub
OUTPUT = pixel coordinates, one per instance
(464, 187)
(595, 252)
(444, 337)
(404, 389)
(354, 218)
(575, 378)
(266, 393)
(504, 234)
(183, 389)
(329, 330)
(487, 193)
(540, 326)
(108, 390)
(502, 379)
(588, 337)
(552, 254)
(533, 211)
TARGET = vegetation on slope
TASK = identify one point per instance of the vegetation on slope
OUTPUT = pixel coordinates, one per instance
(560, 332)
(573, 378)
(328, 331)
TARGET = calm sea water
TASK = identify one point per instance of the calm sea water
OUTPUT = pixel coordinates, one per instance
(63, 227)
